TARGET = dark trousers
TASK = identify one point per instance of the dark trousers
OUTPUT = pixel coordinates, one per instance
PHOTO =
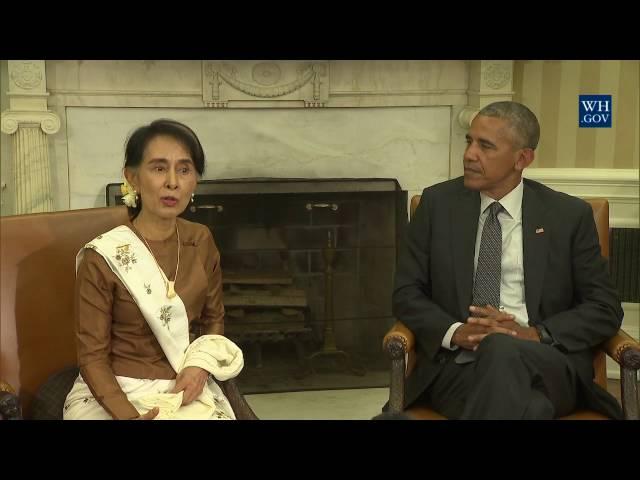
(510, 379)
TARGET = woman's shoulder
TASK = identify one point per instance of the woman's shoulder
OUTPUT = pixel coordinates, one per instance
(113, 234)
(94, 265)
(193, 232)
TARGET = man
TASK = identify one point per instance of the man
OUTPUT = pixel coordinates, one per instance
(502, 282)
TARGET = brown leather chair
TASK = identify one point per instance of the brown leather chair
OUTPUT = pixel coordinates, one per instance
(399, 344)
(37, 283)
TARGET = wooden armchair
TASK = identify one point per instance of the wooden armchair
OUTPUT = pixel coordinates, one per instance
(37, 344)
(399, 344)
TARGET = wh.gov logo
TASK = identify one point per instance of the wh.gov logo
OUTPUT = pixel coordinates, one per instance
(594, 111)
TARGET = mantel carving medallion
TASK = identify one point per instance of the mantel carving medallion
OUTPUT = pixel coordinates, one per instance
(26, 75)
(228, 81)
(497, 75)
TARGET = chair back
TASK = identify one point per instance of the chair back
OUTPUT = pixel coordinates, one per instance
(37, 260)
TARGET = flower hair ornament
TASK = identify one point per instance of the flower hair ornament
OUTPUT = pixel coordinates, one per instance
(129, 194)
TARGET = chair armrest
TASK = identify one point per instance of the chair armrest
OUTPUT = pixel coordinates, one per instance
(398, 341)
(238, 403)
(624, 350)
(9, 403)
(5, 387)
(399, 345)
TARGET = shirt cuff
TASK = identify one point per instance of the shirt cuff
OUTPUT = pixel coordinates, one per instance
(446, 341)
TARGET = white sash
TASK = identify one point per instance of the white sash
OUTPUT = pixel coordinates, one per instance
(134, 265)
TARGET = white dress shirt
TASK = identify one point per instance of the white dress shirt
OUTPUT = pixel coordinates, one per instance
(512, 299)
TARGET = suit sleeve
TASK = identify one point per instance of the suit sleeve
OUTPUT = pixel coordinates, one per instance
(597, 312)
(412, 303)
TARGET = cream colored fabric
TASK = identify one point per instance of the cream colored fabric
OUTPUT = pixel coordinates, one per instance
(216, 354)
(145, 394)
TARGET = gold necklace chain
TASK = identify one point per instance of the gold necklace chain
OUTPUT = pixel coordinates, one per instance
(169, 284)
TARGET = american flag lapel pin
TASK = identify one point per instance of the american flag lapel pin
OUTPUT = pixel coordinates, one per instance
(539, 230)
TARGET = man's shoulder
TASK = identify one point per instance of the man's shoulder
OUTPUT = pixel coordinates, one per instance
(554, 198)
(448, 187)
(192, 231)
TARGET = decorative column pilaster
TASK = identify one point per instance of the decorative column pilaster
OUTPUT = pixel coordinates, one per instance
(29, 122)
(489, 81)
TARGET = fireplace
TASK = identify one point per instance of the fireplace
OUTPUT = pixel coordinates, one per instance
(308, 267)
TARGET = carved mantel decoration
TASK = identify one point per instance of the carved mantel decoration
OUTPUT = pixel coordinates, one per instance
(26, 75)
(489, 81)
(282, 83)
(48, 122)
(497, 75)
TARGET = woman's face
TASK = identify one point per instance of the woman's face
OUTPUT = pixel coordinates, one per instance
(165, 179)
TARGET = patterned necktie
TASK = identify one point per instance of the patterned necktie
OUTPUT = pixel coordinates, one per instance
(486, 286)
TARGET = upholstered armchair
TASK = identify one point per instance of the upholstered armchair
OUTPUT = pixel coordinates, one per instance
(37, 345)
(399, 344)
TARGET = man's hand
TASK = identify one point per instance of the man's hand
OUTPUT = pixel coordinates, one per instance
(468, 335)
(485, 321)
(192, 380)
(491, 318)
(150, 415)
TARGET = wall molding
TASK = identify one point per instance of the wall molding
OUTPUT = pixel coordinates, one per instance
(620, 186)
(593, 176)
(395, 92)
(136, 93)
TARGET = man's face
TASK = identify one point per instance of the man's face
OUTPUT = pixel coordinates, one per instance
(493, 162)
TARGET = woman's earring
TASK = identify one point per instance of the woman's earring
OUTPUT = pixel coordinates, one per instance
(193, 197)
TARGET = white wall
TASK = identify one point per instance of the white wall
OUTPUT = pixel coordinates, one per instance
(407, 143)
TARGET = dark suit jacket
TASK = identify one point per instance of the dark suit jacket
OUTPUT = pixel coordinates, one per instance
(567, 285)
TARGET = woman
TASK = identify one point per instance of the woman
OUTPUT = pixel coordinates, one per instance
(139, 288)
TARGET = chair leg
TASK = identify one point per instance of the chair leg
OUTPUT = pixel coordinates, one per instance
(396, 386)
(239, 404)
(629, 393)
(9, 406)
(396, 350)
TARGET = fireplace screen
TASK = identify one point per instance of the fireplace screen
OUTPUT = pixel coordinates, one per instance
(308, 268)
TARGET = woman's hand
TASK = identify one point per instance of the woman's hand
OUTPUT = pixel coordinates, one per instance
(192, 380)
